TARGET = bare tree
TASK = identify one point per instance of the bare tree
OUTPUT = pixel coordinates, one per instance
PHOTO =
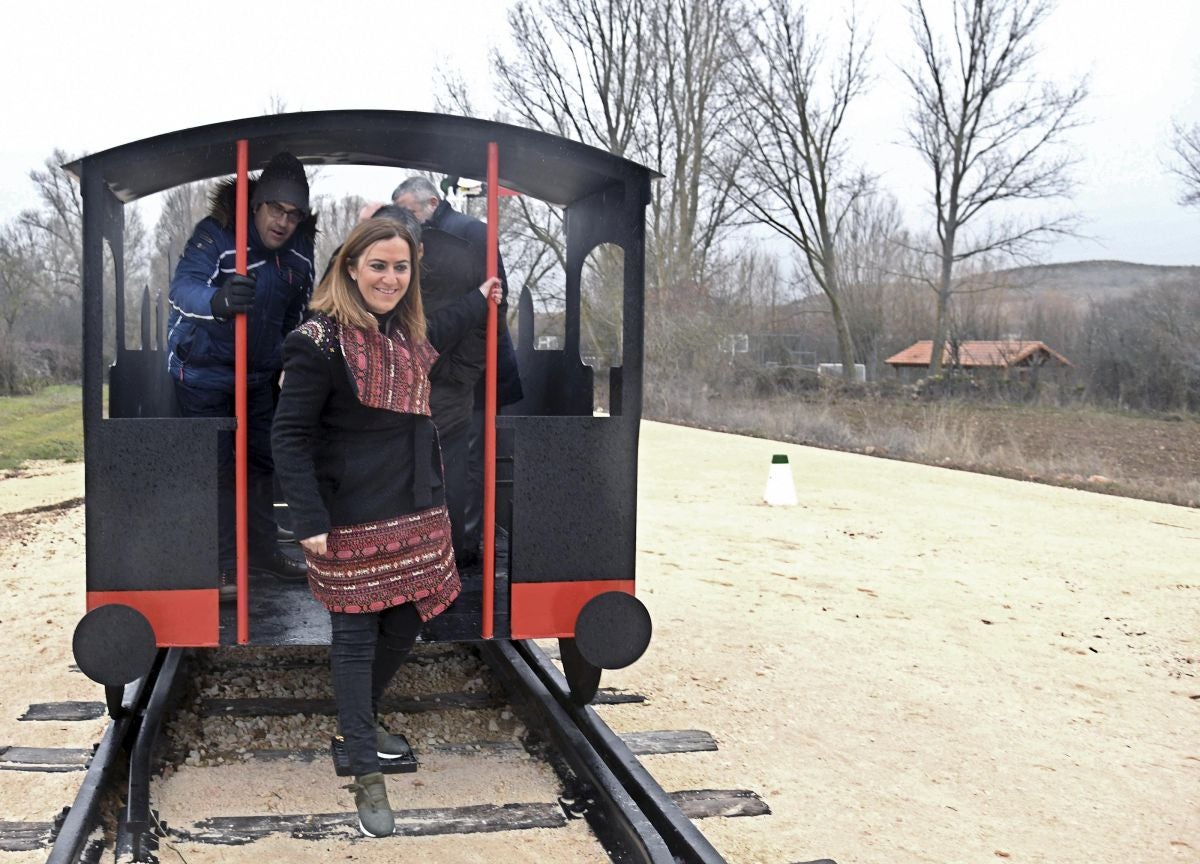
(1141, 351)
(338, 216)
(1186, 146)
(183, 207)
(641, 80)
(796, 178)
(871, 257)
(578, 69)
(18, 297)
(988, 134)
(56, 229)
(535, 251)
(59, 222)
(138, 257)
(690, 104)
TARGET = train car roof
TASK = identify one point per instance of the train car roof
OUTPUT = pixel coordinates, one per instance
(543, 166)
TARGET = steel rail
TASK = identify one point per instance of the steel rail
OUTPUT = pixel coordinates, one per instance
(134, 831)
(687, 844)
(637, 839)
(83, 814)
(638, 822)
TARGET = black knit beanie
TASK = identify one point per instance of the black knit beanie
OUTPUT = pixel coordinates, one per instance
(284, 181)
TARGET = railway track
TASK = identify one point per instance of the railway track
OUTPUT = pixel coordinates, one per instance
(230, 749)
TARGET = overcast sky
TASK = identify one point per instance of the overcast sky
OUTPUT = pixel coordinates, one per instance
(88, 76)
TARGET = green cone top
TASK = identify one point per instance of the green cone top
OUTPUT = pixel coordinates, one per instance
(779, 459)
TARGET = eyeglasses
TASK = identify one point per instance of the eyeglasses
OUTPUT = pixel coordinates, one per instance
(294, 216)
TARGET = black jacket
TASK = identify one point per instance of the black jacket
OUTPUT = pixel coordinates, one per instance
(454, 263)
(200, 344)
(340, 462)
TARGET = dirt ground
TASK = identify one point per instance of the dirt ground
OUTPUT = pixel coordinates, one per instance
(912, 665)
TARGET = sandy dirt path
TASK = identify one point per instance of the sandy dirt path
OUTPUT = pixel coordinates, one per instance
(917, 664)
(912, 665)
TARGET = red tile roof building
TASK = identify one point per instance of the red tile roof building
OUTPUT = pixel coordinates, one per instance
(981, 354)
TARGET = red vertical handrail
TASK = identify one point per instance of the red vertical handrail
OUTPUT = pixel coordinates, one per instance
(489, 399)
(239, 398)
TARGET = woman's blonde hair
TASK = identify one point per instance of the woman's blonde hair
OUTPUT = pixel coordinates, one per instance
(338, 297)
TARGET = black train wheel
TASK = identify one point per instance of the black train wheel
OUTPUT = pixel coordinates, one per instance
(114, 645)
(612, 631)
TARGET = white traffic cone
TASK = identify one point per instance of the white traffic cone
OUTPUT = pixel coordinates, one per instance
(781, 490)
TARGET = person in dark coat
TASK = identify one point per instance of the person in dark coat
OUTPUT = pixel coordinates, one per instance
(357, 458)
(454, 262)
(206, 294)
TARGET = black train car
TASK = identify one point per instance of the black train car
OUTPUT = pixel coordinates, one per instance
(565, 566)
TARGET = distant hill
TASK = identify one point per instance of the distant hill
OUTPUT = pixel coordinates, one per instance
(1098, 280)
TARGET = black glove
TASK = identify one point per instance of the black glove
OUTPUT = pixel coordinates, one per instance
(236, 295)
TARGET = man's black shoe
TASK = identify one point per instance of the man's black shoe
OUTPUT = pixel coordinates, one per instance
(280, 565)
(227, 588)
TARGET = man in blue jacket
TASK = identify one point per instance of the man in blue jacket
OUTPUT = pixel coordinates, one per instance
(206, 294)
(454, 262)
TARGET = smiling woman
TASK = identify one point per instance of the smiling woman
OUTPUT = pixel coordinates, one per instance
(357, 458)
(384, 274)
(371, 275)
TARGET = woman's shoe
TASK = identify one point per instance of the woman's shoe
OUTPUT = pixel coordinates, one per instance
(375, 817)
(227, 586)
(389, 746)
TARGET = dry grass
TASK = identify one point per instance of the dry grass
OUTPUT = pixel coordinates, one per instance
(1154, 458)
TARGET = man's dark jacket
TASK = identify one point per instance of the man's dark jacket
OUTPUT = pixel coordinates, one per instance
(455, 262)
(200, 344)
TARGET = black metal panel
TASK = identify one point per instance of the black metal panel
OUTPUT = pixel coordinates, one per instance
(554, 383)
(616, 393)
(152, 504)
(545, 166)
(139, 386)
(138, 382)
(574, 500)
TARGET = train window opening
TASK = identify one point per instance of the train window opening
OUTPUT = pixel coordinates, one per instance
(549, 317)
(114, 304)
(602, 290)
(532, 244)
